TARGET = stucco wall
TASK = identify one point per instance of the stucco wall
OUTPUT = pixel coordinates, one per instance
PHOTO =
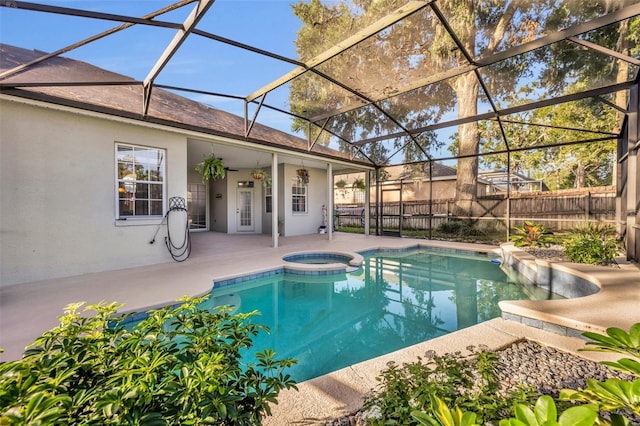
(303, 223)
(218, 195)
(58, 194)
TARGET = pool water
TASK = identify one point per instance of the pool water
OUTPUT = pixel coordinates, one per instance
(395, 300)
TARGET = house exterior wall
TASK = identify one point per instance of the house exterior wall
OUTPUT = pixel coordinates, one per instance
(58, 183)
(302, 223)
(218, 196)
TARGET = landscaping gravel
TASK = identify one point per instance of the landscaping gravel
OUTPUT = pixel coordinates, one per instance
(528, 363)
(551, 253)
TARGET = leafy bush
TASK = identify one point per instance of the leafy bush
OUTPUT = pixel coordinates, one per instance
(178, 366)
(592, 243)
(544, 413)
(613, 402)
(595, 230)
(459, 228)
(619, 398)
(583, 249)
(471, 384)
(531, 235)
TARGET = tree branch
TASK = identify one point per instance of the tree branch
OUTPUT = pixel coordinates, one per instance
(501, 27)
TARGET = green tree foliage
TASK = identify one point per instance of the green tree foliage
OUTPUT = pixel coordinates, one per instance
(570, 69)
(177, 367)
(560, 167)
(402, 53)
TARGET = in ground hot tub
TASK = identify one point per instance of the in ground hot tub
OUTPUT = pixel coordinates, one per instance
(318, 258)
(322, 260)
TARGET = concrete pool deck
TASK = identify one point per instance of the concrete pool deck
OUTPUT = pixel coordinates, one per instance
(26, 310)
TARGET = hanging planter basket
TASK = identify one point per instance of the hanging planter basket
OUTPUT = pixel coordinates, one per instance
(260, 174)
(211, 167)
(303, 175)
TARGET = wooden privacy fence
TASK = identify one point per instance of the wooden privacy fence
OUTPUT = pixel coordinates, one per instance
(556, 210)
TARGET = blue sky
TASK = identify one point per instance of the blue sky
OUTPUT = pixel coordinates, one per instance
(200, 64)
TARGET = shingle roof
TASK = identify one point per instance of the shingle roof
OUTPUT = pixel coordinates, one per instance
(121, 95)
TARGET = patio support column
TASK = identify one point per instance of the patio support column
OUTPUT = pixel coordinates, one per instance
(274, 199)
(367, 202)
(633, 172)
(329, 201)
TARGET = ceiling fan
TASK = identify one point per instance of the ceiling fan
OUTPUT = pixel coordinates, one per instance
(227, 168)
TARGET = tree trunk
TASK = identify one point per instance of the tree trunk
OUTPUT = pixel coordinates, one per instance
(579, 183)
(621, 76)
(466, 88)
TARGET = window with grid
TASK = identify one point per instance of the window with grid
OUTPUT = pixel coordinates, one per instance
(299, 198)
(140, 178)
(268, 199)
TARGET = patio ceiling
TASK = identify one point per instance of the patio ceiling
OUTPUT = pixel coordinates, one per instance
(348, 82)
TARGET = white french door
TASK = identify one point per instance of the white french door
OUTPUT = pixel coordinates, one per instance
(244, 211)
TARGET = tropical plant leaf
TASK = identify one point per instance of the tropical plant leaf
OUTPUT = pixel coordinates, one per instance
(578, 416)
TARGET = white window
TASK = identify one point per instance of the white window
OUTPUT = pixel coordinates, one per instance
(268, 199)
(140, 178)
(299, 198)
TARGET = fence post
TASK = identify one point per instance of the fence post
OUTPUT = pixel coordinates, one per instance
(587, 206)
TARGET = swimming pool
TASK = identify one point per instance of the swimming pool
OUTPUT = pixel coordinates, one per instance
(394, 300)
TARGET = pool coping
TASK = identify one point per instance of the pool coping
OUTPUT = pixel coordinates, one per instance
(599, 295)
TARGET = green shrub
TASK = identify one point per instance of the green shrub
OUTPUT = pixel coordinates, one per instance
(459, 228)
(619, 399)
(177, 367)
(589, 249)
(544, 413)
(531, 235)
(592, 243)
(613, 402)
(471, 384)
(596, 230)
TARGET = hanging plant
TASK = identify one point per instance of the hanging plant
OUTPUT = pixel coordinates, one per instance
(303, 175)
(359, 184)
(211, 168)
(341, 184)
(259, 174)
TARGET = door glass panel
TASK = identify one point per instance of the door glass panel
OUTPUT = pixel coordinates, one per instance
(197, 205)
(245, 208)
